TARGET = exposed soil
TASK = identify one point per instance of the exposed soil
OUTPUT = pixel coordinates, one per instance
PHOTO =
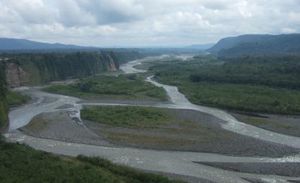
(191, 131)
(59, 126)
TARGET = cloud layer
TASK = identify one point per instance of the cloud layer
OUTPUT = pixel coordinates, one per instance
(145, 22)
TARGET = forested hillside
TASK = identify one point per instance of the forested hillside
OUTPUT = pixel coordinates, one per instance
(258, 45)
(8, 44)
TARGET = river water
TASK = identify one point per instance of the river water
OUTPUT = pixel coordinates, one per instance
(181, 102)
(181, 163)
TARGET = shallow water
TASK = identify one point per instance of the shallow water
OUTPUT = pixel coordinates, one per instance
(181, 102)
(181, 163)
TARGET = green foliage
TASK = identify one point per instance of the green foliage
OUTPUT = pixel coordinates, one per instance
(129, 174)
(20, 163)
(258, 45)
(45, 67)
(124, 86)
(3, 115)
(248, 84)
(244, 97)
(139, 117)
(15, 99)
(3, 102)
(281, 72)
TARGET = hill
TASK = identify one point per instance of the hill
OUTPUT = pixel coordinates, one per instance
(10, 44)
(258, 45)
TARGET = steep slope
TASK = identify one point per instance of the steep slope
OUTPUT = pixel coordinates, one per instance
(32, 69)
(38, 68)
(201, 46)
(3, 103)
(258, 45)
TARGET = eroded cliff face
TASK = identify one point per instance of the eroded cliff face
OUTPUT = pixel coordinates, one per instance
(15, 75)
(112, 65)
(29, 69)
(36, 69)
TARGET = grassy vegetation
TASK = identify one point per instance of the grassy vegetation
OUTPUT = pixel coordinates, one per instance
(125, 116)
(121, 87)
(259, 121)
(9, 99)
(287, 126)
(257, 84)
(186, 130)
(20, 163)
(155, 128)
(178, 135)
(15, 99)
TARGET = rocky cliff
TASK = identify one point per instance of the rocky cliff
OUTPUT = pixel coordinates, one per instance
(25, 69)
(33, 69)
(16, 76)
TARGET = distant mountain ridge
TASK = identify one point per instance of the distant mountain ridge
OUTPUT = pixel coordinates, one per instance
(10, 44)
(257, 45)
(201, 46)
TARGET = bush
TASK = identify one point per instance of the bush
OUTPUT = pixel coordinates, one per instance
(109, 86)
(138, 117)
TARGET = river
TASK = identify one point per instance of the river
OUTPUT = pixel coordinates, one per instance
(181, 163)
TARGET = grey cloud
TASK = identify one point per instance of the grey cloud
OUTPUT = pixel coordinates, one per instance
(100, 12)
(113, 11)
(139, 22)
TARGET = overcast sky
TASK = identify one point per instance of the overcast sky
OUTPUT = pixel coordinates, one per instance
(113, 23)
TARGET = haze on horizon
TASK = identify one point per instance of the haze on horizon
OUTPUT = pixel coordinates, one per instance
(142, 23)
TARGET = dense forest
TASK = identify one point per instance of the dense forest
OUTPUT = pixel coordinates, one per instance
(259, 45)
(256, 84)
(281, 72)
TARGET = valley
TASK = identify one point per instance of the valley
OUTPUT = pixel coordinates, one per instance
(152, 91)
(205, 134)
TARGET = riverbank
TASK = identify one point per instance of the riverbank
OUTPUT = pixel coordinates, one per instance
(276, 168)
(261, 85)
(175, 162)
(20, 163)
(188, 131)
(284, 124)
